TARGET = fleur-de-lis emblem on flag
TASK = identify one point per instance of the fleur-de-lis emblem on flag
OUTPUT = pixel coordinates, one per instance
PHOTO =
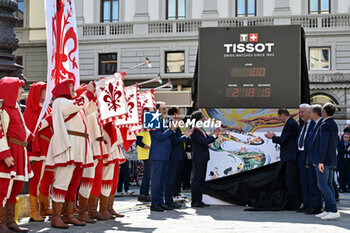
(112, 96)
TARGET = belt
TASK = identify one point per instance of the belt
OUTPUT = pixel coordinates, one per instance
(42, 136)
(100, 139)
(79, 134)
(17, 142)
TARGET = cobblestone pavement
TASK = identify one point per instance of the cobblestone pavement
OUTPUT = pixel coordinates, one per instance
(212, 219)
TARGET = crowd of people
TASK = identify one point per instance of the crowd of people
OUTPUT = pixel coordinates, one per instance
(309, 154)
(164, 153)
(71, 153)
(78, 157)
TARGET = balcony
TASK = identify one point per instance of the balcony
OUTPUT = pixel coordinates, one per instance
(190, 27)
(182, 28)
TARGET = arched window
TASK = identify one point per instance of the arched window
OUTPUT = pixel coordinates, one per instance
(322, 98)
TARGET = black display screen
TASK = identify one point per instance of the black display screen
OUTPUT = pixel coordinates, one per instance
(249, 67)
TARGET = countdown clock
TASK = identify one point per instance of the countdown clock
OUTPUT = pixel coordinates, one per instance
(249, 67)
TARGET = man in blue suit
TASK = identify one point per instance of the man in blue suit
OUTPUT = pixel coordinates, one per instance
(327, 161)
(343, 162)
(312, 150)
(288, 143)
(159, 154)
(306, 127)
(176, 156)
(200, 157)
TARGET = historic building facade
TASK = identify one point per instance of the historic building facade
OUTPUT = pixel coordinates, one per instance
(116, 34)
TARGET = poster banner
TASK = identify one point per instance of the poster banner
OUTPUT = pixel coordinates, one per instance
(243, 147)
(62, 46)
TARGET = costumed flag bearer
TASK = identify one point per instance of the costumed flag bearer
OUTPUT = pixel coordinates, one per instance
(38, 152)
(68, 150)
(14, 162)
(110, 174)
(92, 176)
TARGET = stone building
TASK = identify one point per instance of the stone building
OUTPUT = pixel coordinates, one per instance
(116, 34)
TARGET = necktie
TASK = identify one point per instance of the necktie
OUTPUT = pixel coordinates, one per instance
(301, 139)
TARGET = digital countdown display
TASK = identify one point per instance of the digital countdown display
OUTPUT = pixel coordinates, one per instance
(249, 67)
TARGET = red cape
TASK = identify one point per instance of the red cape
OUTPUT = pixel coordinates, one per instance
(32, 112)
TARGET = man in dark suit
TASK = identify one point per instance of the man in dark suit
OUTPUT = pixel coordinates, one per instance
(312, 150)
(159, 154)
(344, 161)
(176, 156)
(288, 143)
(200, 157)
(305, 128)
(327, 161)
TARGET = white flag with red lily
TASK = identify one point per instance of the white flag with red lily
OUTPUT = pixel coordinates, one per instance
(133, 118)
(111, 98)
(62, 46)
(148, 103)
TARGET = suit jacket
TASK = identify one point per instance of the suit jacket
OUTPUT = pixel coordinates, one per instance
(288, 140)
(312, 144)
(342, 150)
(328, 136)
(200, 148)
(160, 143)
(178, 147)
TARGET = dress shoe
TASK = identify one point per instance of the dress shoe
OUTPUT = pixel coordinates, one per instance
(313, 211)
(196, 205)
(144, 198)
(324, 213)
(157, 208)
(331, 216)
(166, 207)
(204, 205)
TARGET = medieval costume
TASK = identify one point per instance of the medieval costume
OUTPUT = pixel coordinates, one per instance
(37, 154)
(14, 138)
(68, 151)
(92, 180)
(110, 176)
(90, 185)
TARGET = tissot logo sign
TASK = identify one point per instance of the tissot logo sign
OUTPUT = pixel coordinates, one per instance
(251, 37)
(249, 67)
(249, 44)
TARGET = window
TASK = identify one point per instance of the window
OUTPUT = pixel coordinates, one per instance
(175, 9)
(319, 58)
(245, 8)
(175, 62)
(109, 11)
(319, 6)
(20, 13)
(108, 63)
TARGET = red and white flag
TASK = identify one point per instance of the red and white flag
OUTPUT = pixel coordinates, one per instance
(62, 46)
(133, 118)
(111, 98)
(148, 103)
